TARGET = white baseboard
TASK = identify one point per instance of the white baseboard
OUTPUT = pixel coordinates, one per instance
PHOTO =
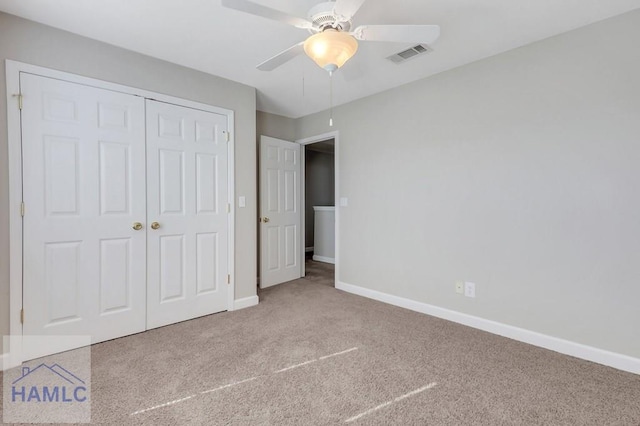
(578, 350)
(308, 249)
(247, 302)
(324, 259)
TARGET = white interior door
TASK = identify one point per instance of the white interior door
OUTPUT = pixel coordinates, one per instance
(84, 188)
(279, 211)
(187, 193)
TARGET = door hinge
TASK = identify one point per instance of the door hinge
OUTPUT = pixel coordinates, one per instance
(228, 207)
(228, 278)
(22, 209)
(19, 96)
(21, 316)
(227, 135)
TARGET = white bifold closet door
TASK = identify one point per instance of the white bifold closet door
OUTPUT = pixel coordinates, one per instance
(83, 189)
(187, 193)
(98, 171)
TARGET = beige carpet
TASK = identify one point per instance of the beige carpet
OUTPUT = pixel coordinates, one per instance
(309, 354)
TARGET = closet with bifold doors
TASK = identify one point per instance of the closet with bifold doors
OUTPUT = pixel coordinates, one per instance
(126, 224)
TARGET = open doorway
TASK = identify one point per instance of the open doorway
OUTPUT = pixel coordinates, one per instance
(319, 195)
(319, 179)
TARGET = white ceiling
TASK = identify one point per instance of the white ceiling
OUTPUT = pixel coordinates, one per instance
(203, 35)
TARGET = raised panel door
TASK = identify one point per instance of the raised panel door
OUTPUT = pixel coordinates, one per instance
(83, 262)
(187, 193)
(279, 211)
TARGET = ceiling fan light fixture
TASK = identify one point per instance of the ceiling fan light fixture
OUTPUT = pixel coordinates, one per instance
(330, 49)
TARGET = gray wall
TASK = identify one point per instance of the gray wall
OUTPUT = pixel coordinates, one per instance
(275, 126)
(319, 186)
(519, 173)
(37, 44)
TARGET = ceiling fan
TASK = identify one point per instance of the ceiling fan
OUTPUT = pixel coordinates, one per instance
(332, 42)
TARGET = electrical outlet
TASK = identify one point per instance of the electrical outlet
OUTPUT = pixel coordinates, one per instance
(469, 289)
(459, 287)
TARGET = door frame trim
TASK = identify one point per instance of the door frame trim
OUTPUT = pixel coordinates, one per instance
(335, 135)
(13, 357)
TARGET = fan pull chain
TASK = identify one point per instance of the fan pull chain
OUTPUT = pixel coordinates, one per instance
(330, 98)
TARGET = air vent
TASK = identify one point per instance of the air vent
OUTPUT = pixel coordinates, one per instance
(412, 52)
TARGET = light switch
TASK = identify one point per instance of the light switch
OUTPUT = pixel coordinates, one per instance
(344, 201)
(242, 202)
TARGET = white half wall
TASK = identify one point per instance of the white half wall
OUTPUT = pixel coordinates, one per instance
(518, 173)
(319, 182)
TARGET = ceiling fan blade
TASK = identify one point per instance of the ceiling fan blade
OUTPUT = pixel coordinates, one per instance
(282, 57)
(398, 33)
(266, 12)
(347, 8)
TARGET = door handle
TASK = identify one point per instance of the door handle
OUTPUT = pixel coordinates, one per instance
(137, 226)
(155, 225)
(265, 220)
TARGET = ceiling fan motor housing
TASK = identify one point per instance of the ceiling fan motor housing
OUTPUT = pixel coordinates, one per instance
(323, 17)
